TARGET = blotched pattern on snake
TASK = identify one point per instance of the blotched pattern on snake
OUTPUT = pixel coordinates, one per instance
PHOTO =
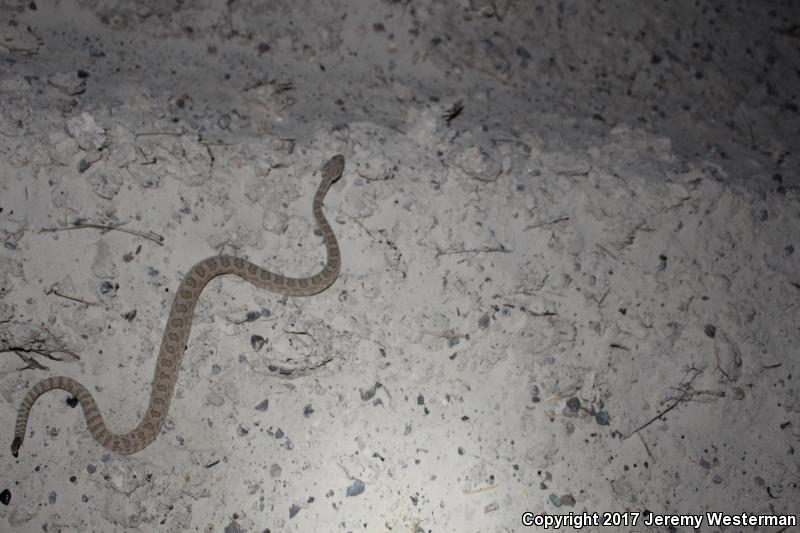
(177, 330)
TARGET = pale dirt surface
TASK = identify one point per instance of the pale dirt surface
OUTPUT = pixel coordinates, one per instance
(607, 230)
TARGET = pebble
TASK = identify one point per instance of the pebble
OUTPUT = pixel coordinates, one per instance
(602, 418)
(233, 527)
(106, 287)
(257, 342)
(573, 404)
(275, 470)
(368, 394)
(86, 132)
(263, 406)
(356, 488)
(293, 510)
(535, 394)
(224, 121)
(5, 497)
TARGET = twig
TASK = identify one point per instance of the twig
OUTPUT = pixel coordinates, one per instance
(151, 236)
(602, 298)
(160, 133)
(659, 415)
(714, 393)
(453, 111)
(502, 79)
(605, 250)
(356, 220)
(500, 249)
(30, 362)
(687, 391)
(291, 332)
(547, 222)
(647, 448)
(468, 490)
(388, 176)
(719, 367)
(41, 342)
(15, 50)
(445, 334)
(540, 313)
(53, 290)
(753, 144)
(22, 351)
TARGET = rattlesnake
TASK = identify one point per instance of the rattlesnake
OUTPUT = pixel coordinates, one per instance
(177, 329)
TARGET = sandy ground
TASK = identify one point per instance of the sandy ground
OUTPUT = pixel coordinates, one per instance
(571, 261)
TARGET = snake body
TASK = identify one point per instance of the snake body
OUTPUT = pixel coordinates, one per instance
(176, 333)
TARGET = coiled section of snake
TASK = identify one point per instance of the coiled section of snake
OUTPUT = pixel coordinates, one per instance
(177, 331)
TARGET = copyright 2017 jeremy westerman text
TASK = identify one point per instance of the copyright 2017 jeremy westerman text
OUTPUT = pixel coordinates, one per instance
(633, 518)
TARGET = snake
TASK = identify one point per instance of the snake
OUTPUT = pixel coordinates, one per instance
(176, 332)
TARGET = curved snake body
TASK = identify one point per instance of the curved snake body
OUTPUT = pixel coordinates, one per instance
(177, 330)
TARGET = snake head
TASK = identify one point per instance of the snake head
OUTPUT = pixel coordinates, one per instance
(333, 168)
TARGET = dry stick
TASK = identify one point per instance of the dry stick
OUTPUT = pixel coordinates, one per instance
(753, 143)
(21, 352)
(356, 220)
(605, 250)
(45, 353)
(687, 391)
(159, 133)
(445, 334)
(501, 249)
(602, 298)
(30, 362)
(719, 367)
(53, 290)
(647, 448)
(658, 415)
(468, 490)
(151, 236)
(547, 222)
